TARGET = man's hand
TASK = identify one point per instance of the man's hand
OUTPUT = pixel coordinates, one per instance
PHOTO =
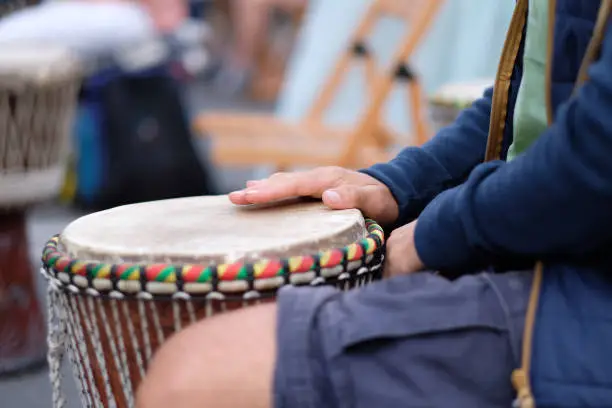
(339, 189)
(401, 256)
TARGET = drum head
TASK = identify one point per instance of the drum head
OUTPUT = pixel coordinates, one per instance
(209, 230)
(36, 64)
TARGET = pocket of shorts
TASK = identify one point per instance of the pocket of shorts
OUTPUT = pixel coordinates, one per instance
(425, 305)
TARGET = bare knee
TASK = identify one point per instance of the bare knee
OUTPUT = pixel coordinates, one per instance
(226, 361)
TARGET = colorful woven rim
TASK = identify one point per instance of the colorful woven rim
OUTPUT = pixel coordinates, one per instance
(58, 261)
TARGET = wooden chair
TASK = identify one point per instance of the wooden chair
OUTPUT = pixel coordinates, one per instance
(255, 139)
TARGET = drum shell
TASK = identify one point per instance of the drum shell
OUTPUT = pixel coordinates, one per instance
(107, 327)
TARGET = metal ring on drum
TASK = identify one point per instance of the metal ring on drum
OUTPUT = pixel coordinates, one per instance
(38, 92)
(126, 279)
(447, 102)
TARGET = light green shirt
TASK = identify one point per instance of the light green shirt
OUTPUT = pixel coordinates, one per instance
(530, 111)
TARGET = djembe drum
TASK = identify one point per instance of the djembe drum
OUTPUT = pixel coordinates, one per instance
(122, 280)
(38, 88)
(446, 104)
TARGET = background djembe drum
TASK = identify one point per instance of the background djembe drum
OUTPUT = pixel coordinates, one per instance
(121, 281)
(448, 101)
(38, 89)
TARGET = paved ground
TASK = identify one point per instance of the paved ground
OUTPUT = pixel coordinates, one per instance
(34, 390)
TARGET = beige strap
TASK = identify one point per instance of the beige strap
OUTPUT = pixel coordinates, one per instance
(499, 107)
(520, 376)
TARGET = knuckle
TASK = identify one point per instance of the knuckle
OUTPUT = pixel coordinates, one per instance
(334, 173)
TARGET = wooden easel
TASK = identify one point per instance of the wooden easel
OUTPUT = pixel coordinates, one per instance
(253, 139)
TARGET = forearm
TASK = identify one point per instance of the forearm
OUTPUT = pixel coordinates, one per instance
(552, 201)
(418, 174)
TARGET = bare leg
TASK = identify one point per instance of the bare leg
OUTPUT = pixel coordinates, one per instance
(222, 362)
(251, 22)
(415, 340)
(167, 15)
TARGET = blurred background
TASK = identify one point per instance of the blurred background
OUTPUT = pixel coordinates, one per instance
(108, 102)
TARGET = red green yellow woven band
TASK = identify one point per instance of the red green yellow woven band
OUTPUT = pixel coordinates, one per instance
(58, 261)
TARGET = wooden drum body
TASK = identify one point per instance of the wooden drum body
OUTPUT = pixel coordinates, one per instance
(448, 102)
(121, 281)
(22, 328)
(38, 89)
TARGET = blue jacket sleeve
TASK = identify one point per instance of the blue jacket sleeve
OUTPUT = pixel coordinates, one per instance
(552, 201)
(417, 174)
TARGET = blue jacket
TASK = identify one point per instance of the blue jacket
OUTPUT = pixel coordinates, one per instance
(552, 203)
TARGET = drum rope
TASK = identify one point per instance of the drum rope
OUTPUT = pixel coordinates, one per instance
(135, 344)
(208, 307)
(156, 323)
(75, 324)
(123, 378)
(176, 314)
(191, 312)
(55, 343)
(92, 327)
(75, 355)
(144, 327)
(37, 123)
(122, 352)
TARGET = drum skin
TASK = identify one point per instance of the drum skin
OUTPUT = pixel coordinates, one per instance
(22, 328)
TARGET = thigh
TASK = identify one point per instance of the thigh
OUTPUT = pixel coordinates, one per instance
(412, 341)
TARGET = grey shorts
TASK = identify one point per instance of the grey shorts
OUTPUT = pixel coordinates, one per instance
(413, 341)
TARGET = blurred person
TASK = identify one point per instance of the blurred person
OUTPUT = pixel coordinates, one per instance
(492, 326)
(251, 20)
(131, 105)
(92, 27)
(167, 15)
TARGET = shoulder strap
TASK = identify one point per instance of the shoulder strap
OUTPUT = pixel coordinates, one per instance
(501, 89)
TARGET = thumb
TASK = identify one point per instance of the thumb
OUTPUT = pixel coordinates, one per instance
(372, 200)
